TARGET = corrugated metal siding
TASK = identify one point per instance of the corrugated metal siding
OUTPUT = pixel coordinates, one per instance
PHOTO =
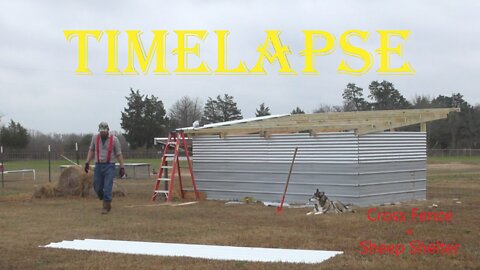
(392, 147)
(327, 148)
(360, 170)
(392, 167)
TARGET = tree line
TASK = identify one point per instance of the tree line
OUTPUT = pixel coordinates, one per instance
(145, 117)
(460, 130)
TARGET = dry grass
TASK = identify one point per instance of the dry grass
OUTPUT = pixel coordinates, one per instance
(26, 223)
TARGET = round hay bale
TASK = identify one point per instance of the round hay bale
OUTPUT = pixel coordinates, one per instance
(75, 182)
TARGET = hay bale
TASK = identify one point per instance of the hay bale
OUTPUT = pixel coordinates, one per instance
(45, 191)
(73, 182)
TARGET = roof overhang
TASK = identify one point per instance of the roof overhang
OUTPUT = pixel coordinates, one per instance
(360, 122)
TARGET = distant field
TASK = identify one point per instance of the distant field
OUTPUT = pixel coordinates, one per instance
(41, 166)
(26, 223)
(450, 159)
(55, 164)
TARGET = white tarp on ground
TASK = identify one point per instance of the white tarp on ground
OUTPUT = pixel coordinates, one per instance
(199, 251)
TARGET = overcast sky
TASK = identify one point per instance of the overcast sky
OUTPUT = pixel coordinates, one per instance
(39, 87)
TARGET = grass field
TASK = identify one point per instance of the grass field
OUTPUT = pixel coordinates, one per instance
(26, 223)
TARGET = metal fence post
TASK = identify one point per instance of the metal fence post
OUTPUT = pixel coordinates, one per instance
(78, 155)
(3, 166)
(49, 166)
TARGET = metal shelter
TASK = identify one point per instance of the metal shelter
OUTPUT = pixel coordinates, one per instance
(349, 155)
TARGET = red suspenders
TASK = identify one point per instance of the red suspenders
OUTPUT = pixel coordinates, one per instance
(110, 148)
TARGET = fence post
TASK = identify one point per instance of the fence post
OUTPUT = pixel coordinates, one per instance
(78, 156)
(3, 166)
(49, 166)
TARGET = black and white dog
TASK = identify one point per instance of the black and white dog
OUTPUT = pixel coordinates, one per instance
(324, 205)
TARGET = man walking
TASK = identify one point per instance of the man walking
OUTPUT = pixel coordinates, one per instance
(106, 149)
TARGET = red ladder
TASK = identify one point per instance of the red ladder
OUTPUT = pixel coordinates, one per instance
(176, 139)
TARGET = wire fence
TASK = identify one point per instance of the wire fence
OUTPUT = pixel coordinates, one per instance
(82, 155)
(157, 153)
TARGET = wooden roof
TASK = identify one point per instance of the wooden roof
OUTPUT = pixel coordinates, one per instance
(361, 122)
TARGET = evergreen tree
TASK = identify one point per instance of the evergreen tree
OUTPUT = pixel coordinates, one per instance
(210, 112)
(221, 110)
(228, 108)
(14, 136)
(297, 110)
(458, 130)
(386, 97)
(352, 98)
(155, 122)
(143, 119)
(262, 111)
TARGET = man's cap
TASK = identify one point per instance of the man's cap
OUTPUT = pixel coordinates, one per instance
(103, 126)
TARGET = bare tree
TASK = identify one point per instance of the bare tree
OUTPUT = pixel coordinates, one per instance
(328, 108)
(421, 102)
(185, 111)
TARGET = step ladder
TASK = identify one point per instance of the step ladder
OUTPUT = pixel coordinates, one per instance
(170, 162)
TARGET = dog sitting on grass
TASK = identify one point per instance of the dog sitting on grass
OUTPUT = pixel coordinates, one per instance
(324, 205)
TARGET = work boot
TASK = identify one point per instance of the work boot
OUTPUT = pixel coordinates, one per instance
(106, 207)
(109, 206)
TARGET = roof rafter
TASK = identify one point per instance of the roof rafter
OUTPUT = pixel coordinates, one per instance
(361, 122)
